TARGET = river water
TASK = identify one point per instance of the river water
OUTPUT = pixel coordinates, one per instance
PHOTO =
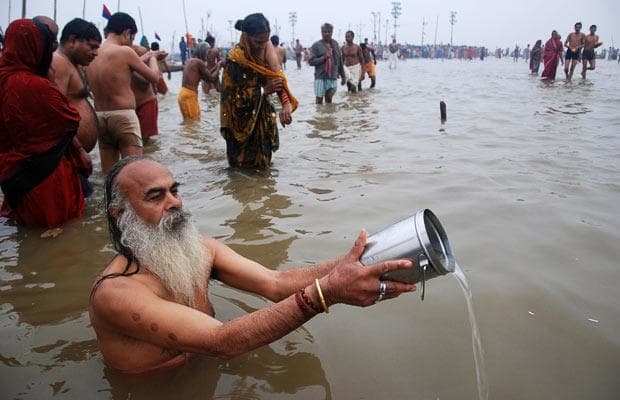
(524, 177)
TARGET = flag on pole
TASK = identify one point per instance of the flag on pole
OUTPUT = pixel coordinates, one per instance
(157, 37)
(106, 13)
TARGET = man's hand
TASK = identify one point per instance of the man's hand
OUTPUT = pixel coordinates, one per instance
(350, 282)
(286, 114)
(273, 85)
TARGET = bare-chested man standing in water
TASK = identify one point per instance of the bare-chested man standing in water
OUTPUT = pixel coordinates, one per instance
(79, 43)
(280, 51)
(591, 42)
(353, 59)
(195, 70)
(574, 43)
(214, 63)
(110, 76)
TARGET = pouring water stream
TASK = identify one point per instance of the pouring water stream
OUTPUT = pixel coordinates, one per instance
(481, 376)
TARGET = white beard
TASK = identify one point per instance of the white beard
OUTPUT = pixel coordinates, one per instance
(172, 250)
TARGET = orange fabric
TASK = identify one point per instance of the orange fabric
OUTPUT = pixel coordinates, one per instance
(242, 55)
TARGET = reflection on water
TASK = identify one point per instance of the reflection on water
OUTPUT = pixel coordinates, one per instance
(525, 174)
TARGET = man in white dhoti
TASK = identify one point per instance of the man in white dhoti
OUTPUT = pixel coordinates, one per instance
(353, 63)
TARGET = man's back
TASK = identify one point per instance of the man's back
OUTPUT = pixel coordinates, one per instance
(281, 54)
(110, 77)
(194, 70)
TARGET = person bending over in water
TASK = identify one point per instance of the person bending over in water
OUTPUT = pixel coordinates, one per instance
(194, 71)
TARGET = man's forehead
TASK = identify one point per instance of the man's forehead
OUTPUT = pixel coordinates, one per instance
(144, 174)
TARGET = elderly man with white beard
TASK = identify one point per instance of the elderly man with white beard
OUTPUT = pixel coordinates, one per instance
(150, 307)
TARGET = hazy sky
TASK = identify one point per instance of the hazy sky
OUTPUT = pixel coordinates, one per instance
(490, 23)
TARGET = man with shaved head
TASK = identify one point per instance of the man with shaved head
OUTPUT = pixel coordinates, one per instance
(150, 307)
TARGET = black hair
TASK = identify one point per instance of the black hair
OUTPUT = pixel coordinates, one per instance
(253, 24)
(327, 26)
(210, 39)
(578, 23)
(154, 46)
(113, 198)
(592, 26)
(119, 22)
(275, 40)
(81, 29)
(351, 32)
(48, 47)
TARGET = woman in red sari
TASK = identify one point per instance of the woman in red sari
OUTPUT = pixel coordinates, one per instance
(40, 160)
(551, 55)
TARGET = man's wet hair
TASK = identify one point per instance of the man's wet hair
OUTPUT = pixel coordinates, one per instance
(351, 32)
(578, 23)
(81, 30)
(592, 26)
(119, 22)
(327, 27)
(154, 46)
(210, 39)
(114, 201)
(275, 40)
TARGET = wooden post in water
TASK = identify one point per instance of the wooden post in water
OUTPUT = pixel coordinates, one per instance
(442, 111)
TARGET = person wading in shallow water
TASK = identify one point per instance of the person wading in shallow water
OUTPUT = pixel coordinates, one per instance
(79, 43)
(248, 119)
(327, 61)
(150, 307)
(40, 160)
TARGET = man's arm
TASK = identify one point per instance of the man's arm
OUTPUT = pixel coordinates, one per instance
(340, 66)
(59, 75)
(315, 59)
(149, 72)
(206, 74)
(598, 44)
(132, 309)
(237, 271)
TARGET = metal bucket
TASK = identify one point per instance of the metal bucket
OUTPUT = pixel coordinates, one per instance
(420, 238)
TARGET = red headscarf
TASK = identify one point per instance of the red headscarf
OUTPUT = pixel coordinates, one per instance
(34, 115)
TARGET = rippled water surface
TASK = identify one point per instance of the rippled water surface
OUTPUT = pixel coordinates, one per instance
(524, 177)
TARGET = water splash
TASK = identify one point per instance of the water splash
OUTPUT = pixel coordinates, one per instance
(481, 374)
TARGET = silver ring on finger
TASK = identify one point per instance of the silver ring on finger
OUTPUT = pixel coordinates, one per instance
(382, 290)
